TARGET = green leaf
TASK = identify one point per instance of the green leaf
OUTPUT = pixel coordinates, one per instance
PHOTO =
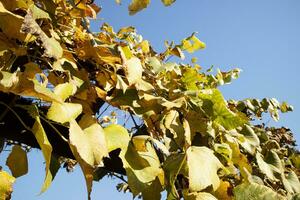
(116, 137)
(270, 166)
(64, 112)
(254, 191)
(203, 166)
(6, 182)
(172, 166)
(137, 5)
(168, 2)
(221, 114)
(17, 161)
(249, 140)
(291, 182)
(142, 166)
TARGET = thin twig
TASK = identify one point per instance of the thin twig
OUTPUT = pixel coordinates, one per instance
(103, 111)
(119, 177)
(135, 124)
(16, 114)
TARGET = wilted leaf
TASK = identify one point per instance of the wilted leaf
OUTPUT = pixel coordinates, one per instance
(6, 182)
(17, 161)
(224, 191)
(203, 166)
(291, 182)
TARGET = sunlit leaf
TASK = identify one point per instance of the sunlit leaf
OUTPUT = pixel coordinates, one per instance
(116, 137)
(6, 182)
(64, 112)
(137, 5)
(203, 167)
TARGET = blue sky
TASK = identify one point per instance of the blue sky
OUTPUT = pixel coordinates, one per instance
(260, 37)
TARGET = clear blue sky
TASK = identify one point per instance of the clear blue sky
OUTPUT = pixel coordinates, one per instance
(260, 37)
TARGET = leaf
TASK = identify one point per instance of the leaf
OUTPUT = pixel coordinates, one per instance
(254, 191)
(116, 137)
(223, 191)
(270, 166)
(291, 182)
(10, 24)
(199, 196)
(168, 2)
(64, 90)
(88, 147)
(172, 166)
(51, 45)
(142, 166)
(90, 143)
(64, 112)
(192, 44)
(134, 70)
(203, 166)
(250, 140)
(43, 142)
(137, 5)
(221, 114)
(17, 161)
(6, 182)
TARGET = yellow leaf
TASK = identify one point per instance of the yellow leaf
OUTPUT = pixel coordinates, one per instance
(6, 182)
(10, 24)
(64, 90)
(89, 148)
(203, 166)
(90, 143)
(168, 2)
(116, 137)
(17, 161)
(223, 191)
(137, 5)
(134, 70)
(64, 112)
(199, 196)
(51, 45)
(44, 143)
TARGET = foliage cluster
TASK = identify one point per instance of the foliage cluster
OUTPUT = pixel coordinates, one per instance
(191, 142)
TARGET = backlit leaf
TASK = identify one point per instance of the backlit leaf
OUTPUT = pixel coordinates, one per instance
(17, 161)
(64, 112)
(116, 137)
